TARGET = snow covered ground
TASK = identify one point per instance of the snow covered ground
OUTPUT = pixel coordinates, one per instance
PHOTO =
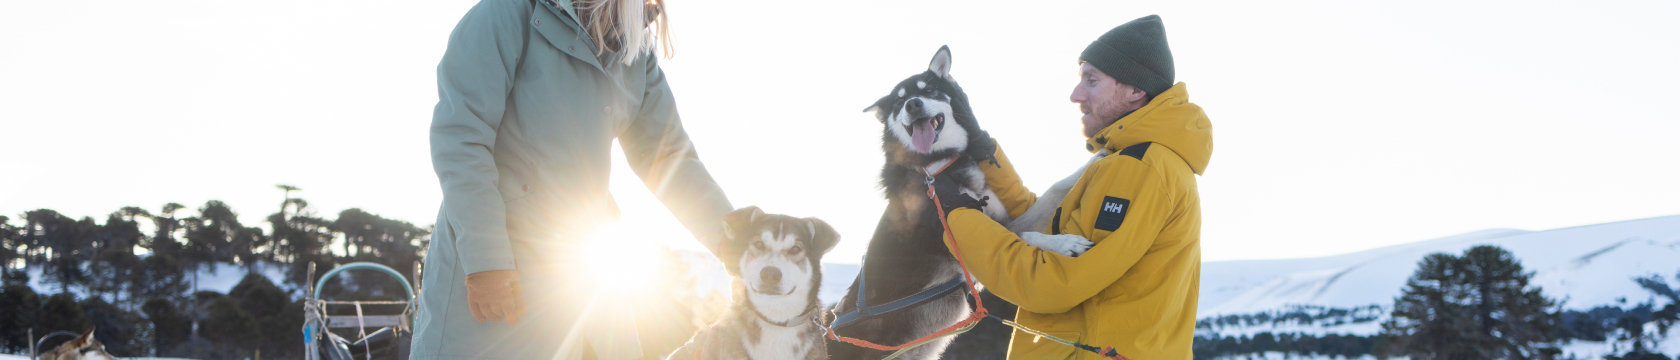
(220, 279)
(26, 357)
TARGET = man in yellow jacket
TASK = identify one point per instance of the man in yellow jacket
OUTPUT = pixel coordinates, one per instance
(1135, 289)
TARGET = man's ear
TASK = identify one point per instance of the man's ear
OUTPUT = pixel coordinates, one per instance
(823, 237)
(941, 64)
(1132, 94)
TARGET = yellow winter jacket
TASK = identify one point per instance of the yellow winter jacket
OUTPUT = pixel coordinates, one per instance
(1135, 289)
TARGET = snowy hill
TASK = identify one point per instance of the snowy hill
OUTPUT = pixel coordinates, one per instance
(1351, 294)
(1586, 265)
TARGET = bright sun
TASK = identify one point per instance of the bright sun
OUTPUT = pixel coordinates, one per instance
(619, 259)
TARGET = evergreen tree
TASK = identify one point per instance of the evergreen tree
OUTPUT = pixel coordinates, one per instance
(11, 241)
(120, 330)
(164, 241)
(371, 238)
(113, 267)
(20, 311)
(61, 312)
(210, 234)
(68, 243)
(300, 238)
(159, 275)
(1475, 306)
(233, 330)
(170, 328)
(1631, 323)
(277, 317)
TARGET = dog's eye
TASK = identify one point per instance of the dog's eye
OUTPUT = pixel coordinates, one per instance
(795, 250)
(758, 246)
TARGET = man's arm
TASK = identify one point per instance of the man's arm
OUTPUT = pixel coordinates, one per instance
(1007, 184)
(474, 79)
(1122, 209)
(659, 151)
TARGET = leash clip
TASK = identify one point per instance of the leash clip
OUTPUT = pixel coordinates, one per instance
(929, 180)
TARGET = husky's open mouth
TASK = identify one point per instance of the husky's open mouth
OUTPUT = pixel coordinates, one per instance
(790, 291)
(923, 132)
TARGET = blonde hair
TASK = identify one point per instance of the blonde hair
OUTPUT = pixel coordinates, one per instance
(605, 21)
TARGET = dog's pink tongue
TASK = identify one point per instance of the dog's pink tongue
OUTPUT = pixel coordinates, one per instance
(922, 137)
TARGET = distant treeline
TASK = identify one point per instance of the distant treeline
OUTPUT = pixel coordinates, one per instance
(1475, 306)
(132, 277)
(138, 286)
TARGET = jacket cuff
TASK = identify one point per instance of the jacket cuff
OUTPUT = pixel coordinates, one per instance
(485, 255)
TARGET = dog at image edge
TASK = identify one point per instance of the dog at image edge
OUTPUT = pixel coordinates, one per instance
(776, 261)
(83, 347)
(928, 125)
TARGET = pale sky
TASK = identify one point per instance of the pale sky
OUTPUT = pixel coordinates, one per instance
(1338, 126)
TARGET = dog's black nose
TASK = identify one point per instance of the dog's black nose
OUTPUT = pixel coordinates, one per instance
(914, 105)
(770, 275)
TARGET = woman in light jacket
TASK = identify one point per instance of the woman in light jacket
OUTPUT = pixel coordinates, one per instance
(531, 94)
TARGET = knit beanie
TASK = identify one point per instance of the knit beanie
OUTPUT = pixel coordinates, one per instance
(1136, 54)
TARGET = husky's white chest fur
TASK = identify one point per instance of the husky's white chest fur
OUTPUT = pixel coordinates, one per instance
(781, 342)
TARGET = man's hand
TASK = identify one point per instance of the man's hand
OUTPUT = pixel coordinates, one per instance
(951, 196)
(495, 295)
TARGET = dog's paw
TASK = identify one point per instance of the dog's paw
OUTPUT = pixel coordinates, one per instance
(1065, 244)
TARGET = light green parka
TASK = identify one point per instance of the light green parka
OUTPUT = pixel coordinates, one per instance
(520, 139)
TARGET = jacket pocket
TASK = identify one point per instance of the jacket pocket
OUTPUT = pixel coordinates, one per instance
(1029, 346)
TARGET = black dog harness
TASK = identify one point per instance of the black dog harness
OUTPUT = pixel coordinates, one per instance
(863, 310)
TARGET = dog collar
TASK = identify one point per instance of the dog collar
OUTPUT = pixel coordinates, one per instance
(934, 173)
(797, 320)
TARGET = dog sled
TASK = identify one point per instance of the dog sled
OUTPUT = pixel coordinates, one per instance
(391, 334)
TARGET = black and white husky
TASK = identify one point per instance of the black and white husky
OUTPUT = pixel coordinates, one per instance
(928, 126)
(777, 264)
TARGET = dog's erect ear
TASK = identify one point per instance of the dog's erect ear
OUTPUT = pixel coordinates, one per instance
(733, 244)
(738, 220)
(823, 237)
(80, 341)
(941, 64)
(880, 107)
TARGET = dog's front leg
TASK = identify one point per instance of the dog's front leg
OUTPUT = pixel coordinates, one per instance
(1065, 244)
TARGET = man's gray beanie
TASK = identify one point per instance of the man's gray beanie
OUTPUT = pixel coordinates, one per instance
(1136, 54)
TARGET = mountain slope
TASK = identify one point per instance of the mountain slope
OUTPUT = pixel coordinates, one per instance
(1587, 265)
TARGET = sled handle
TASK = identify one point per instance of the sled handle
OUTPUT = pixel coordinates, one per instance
(361, 266)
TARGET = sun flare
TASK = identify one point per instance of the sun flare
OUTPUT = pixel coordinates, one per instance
(619, 260)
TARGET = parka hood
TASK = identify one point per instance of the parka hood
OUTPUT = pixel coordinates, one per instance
(1169, 120)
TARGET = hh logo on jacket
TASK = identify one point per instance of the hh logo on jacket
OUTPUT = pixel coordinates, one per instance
(1113, 213)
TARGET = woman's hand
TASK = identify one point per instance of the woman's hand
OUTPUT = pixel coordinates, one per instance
(495, 295)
